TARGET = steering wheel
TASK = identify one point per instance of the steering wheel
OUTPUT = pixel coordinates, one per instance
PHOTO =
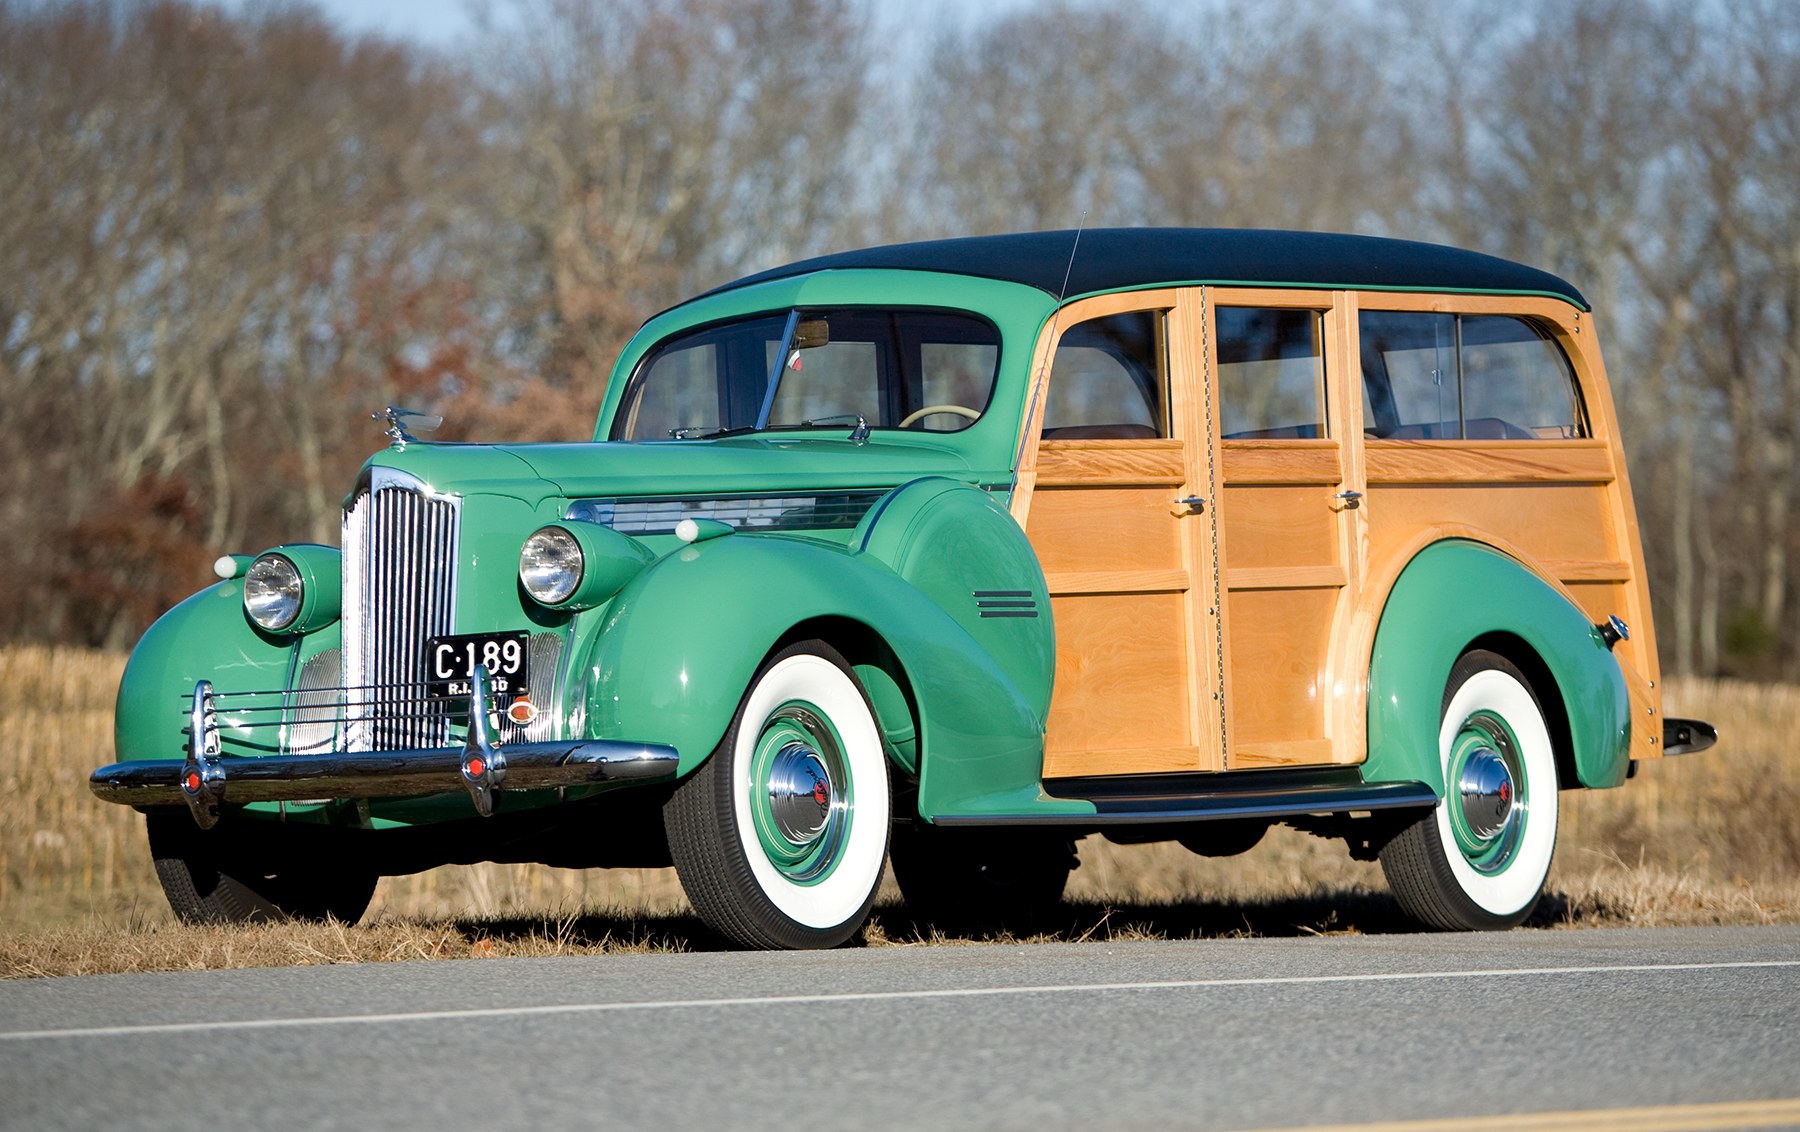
(928, 410)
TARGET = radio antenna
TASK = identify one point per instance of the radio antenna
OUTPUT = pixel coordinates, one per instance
(1037, 381)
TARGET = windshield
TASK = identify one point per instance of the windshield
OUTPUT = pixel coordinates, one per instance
(922, 370)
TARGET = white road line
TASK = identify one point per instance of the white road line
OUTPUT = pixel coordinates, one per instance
(857, 996)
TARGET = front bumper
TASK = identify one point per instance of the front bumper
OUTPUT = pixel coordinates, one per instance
(385, 774)
(206, 779)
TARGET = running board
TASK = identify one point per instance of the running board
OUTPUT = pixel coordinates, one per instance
(1180, 798)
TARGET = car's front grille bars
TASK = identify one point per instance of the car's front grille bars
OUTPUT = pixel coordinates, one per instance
(312, 717)
(400, 555)
(321, 709)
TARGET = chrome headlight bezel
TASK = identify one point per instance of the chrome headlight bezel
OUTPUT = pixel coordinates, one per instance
(551, 566)
(274, 592)
(592, 563)
(293, 589)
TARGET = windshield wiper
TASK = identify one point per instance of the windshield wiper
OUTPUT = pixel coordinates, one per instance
(858, 435)
(698, 432)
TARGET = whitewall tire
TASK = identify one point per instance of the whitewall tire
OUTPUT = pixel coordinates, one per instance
(1480, 858)
(781, 836)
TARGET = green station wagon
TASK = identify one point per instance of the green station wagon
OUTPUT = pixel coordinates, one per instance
(952, 553)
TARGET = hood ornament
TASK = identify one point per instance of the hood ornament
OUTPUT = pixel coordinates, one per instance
(399, 420)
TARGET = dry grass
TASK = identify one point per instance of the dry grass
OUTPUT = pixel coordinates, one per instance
(1705, 840)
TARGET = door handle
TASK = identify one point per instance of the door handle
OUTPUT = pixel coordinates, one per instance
(1352, 499)
(1194, 503)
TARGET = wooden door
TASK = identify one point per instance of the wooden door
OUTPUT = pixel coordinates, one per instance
(1128, 563)
(1289, 515)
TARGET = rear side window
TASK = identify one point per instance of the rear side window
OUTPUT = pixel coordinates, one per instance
(1271, 373)
(1516, 377)
(1429, 376)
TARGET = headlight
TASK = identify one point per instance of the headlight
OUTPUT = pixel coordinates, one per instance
(576, 565)
(293, 588)
(550, 566)
(273, 592)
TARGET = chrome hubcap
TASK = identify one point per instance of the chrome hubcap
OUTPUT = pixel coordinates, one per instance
(800, 794)
(1487, 793)
(1491, 796)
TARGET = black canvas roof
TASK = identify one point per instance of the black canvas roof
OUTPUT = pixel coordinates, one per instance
(1116, 258)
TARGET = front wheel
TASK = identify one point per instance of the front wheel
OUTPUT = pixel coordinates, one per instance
(779, 838)
(1479, 859)
(211, 879)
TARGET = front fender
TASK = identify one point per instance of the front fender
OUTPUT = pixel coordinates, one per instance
(680, 644)
(206, 637)
(1453, 594)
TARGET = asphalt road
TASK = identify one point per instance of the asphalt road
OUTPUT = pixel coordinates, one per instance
(1229, 1034)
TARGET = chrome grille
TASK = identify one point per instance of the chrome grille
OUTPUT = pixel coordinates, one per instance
(312, 710)
(546, 663)
(400, 553)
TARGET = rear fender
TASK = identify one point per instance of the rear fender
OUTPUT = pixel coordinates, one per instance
(1456, 595)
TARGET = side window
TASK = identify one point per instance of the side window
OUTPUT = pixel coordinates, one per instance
(1409, 375)
(1515, 381)
(1271, 373)
(1110, 380)
(1474, 377)
(954, 374)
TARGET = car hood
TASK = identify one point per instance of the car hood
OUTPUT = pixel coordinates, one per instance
(732, 466)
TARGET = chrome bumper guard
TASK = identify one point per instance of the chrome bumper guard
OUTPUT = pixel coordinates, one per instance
(206, 779)
(1688, 736)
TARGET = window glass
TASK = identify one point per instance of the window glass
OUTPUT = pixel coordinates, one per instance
(1109, 380)
(1271, 373)
(883, 365)
(955, 373)
(703, 381)
(1476, 377)
(1516, 382)
(836, 379)
(1409, 374)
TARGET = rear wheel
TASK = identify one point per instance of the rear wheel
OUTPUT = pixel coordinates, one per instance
(779, 838)
(1480, 858)
(210, 878)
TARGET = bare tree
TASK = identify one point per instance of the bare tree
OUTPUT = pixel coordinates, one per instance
(648, 150)
(224, 238)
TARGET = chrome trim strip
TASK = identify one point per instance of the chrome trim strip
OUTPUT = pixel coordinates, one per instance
(833, 510)
(387, 774)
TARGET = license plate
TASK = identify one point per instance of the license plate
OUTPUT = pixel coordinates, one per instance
(451, 660)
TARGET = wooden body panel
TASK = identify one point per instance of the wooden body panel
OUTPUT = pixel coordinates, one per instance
(1105, 528)
(1551, 524)
(1240, 637)
(1124, 562)
(1288, 548)
(1126, 686)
